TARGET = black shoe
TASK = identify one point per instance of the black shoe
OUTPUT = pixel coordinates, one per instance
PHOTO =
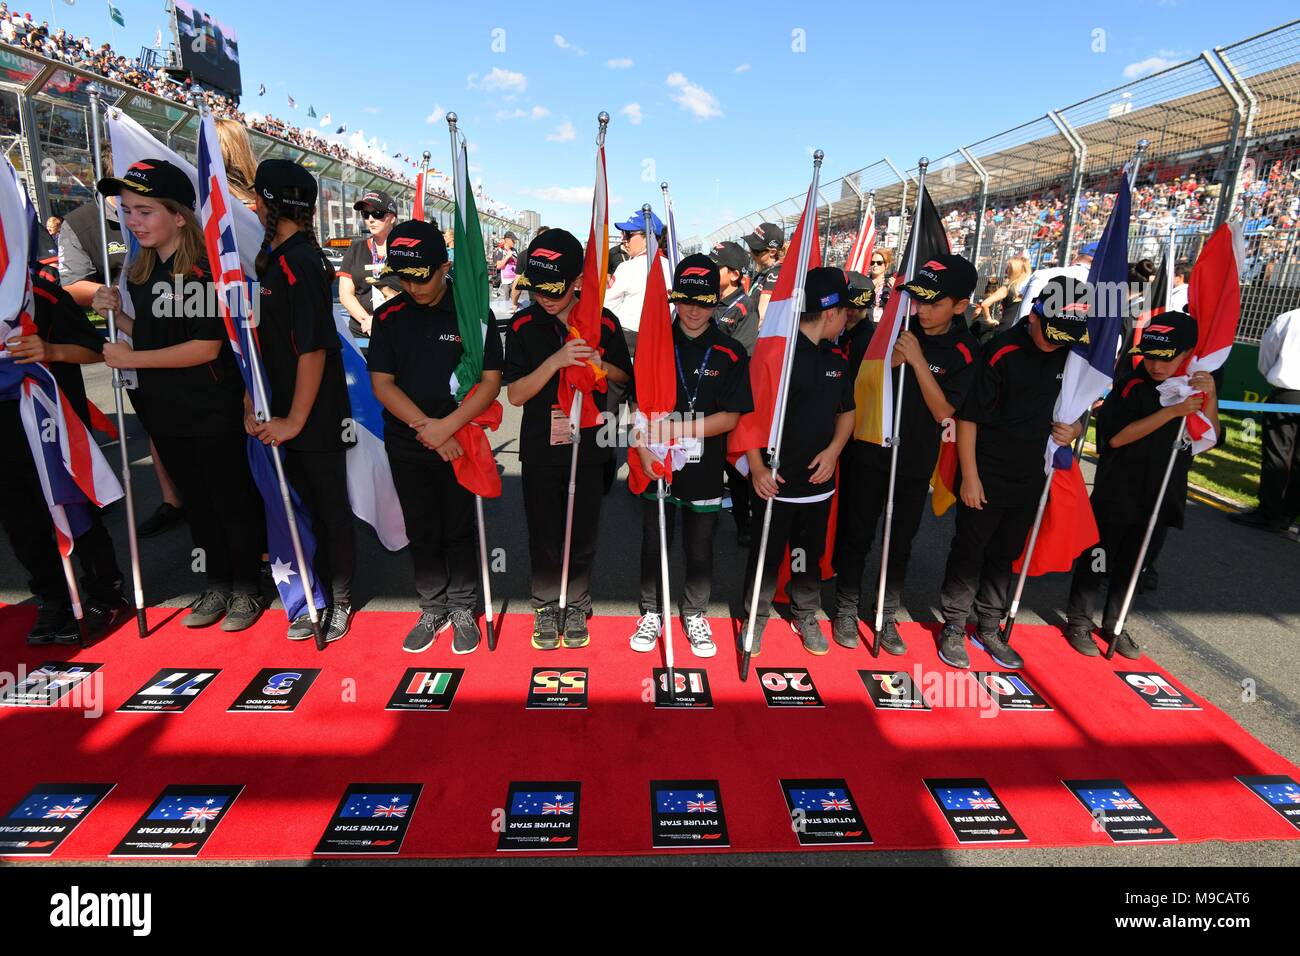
(845, 630)
(1125, 646)
(243, 612)
(952, 647)
(426, 631)
(1080, 638)
(50, 619)
(575, 628)
(1000, 650)
(339, 620)
(546, 635)
(756, 647)
(207, 610)
(891, 640)
(810, 632)
(465, 634)
(1148, 580)
(1261, 520)
(164, 518)
(99, 617)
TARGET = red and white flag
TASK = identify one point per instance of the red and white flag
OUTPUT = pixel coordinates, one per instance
(586, 316)
(864, 244)
(417, 210)
(655, 368)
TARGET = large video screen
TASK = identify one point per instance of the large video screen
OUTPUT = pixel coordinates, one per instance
(209, 48)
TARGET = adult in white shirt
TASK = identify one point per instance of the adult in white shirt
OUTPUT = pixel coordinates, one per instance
(1077, 270)
(1279, 467)
(1178, 294)
(626, 291)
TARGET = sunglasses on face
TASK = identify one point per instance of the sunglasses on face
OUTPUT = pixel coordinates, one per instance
(877, 262)
(627, 236)
(374, 214)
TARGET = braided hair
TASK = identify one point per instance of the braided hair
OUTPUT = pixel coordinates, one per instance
(304, 217)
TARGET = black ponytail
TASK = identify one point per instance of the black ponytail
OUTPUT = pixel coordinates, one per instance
(305, 218)
(268, 237)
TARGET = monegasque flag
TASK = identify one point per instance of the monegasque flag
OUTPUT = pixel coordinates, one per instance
(655, 372)
(757, 429)
(873, 391)
(73, 473)
(864, 244)
(476, 469)
(587, 314)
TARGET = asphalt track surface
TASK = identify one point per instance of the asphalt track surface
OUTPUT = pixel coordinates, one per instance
(1225, 622)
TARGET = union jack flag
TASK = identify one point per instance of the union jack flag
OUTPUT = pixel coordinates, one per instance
(201, 813)
(836, 804)
(701, 806)
(392, 810)
(63, 813)
(558, 809)
(982, 803)
(1125, 803)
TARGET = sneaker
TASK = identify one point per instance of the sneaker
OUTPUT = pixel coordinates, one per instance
(164, 518)
(700, 636)
(575, 628)
(952, 647)
(845, 630)
(546, 635)
(1000, 650)
(99, 618)
(1125, 646)
(207, 610)
(300, 629)
(814, 641)
(648, 628)
(339, 622)
(465, 634)
(1079, 636)
(891, 640)
(426, 631)
(756, 647)
(50, 619)
(243, 612)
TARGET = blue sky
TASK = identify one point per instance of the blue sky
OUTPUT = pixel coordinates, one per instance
(725, 108)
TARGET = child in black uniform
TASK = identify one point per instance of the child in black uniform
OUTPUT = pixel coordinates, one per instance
(537, 348)
(1135, 435)
(712, 393)
(818, 424)
(190, 394)
(415, 346)
(940, 357)
(64, 340)
(1002, 432)
(311, 414)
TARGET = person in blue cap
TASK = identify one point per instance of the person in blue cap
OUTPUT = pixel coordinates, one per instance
(626, 291)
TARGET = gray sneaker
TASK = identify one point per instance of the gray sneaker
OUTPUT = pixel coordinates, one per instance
(810, 632)
(465, 633)
(952, 647)
(243, 612)
(1125, 646)
(300, 629)
(339, 620)
(207, 610)
(426, 631)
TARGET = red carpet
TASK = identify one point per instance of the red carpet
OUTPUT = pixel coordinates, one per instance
(295, 767)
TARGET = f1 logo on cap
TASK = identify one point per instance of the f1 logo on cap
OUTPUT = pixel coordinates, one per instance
(404, 241)
(546, 254)
(1161, 329)
(1076, 307)
(138, 166)
(935, 265)
(695, 271)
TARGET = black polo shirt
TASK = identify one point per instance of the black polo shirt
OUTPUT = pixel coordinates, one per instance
(534, 336)
(1013, 400)
(820, 391)
(764, 284)
(200, 400)
(298, 317)
(715, 368)
(735, 317)
(420, 346)
(1128, 478)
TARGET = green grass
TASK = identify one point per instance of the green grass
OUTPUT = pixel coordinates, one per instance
(1230, 470)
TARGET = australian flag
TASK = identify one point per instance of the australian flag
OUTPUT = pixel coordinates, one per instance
(1106, 800)
(377, 805)
(188, 808)
(967, 798)
(234, 294)
(550, 803)
(821, 801)
(686, 801)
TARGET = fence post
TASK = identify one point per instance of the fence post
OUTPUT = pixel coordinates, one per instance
(976, 165)
(1243, 121)
(902, 207)
(1080, 150)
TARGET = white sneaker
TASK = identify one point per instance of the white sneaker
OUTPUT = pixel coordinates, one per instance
(700, 636)
(648, 629)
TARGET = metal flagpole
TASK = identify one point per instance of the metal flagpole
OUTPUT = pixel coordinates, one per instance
(424, 174)
(133, 539)
(575, 438)
(802, 256)
(484, 570)
(905, 308)
(674, 254)
(1146, 543)
(74, 594)
(1077, 452)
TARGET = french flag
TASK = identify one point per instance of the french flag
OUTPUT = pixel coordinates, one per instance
(757, 429)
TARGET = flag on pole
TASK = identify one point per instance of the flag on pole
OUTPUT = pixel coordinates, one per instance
(261, 89)
(293, 104)
(342, 129)
(873, 390)
(864, 244)
(655, 372)
(417, 208)
(587, 314)
(311, 111)
(115, 15)
(326, 119)
(674, 253)
(476, 469)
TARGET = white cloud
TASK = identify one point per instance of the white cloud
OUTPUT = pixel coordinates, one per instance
(436, 116)
(619, 63)
(565, 194)
(1152, 64)
(498, 79)
(564, 44)
(539, 112)
(743, 68)
(536, 112)
(564, 133)
(633, 113)
(693, 98)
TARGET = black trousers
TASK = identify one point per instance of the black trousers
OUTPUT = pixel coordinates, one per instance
(442, 525)
(742, 497)
(802, 527)
(321, 480)
(1120, 544)
(222, 505)
(862, 507)
(546, 496)
(979, 565)
(697, 542)
(26, 521)
(1279, 470)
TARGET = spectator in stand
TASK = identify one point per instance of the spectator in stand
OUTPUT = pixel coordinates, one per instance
(53, 225)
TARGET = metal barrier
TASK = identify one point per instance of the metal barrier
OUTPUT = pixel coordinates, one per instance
(44, 131)
(1224, 135)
